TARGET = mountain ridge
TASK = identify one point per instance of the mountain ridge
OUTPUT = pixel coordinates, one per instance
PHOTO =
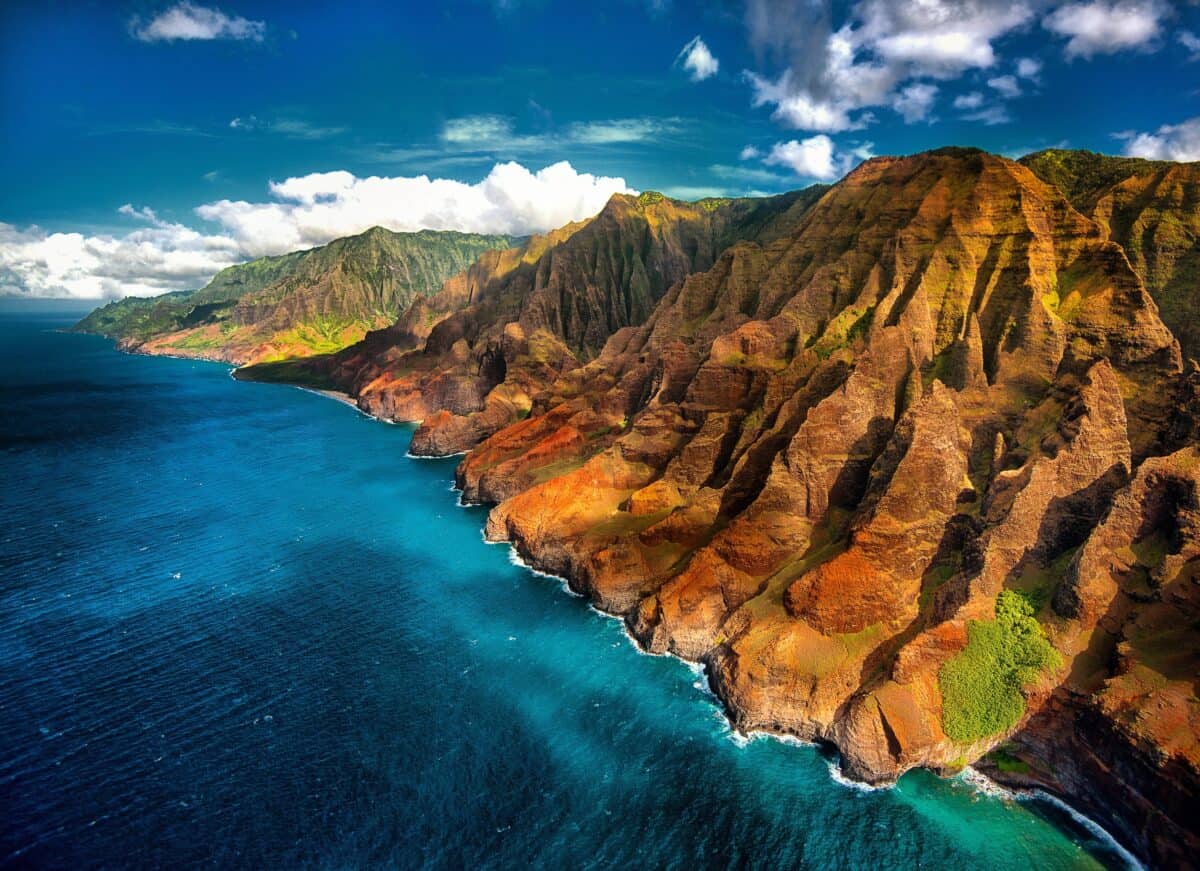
(312, 301)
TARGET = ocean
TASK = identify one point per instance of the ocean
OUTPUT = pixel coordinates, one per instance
(239, 628)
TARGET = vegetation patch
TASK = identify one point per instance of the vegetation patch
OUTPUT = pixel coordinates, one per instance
(981, 686)
(1008, 763)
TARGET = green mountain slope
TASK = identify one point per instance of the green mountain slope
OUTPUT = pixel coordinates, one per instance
(1152, 210)
(297, 304)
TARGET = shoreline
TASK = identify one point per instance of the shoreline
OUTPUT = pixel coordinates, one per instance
(978, 780)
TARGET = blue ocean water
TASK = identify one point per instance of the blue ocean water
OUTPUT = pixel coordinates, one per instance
(239, 628)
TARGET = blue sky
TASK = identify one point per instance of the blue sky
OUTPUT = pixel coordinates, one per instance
(142, 139)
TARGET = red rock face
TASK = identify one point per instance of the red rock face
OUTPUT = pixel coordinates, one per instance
(815, 448)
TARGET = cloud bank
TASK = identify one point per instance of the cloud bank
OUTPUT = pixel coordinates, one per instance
(145, 262)
(302, 212)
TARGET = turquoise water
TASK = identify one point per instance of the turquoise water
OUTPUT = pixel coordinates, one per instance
(239, 628)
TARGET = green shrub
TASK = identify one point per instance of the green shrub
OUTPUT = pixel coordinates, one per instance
(981, 686)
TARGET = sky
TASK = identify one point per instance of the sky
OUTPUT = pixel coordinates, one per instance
(146, 145)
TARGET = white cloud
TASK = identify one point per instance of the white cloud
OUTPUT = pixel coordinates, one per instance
(145, 262)
(310, 210)
(477, 130)
(303, 212)
(816, 157)
(1170, 142)
(496, 133)
(1105, 27)
(698, 60)
(1029, 68)
(187, 21)
(1005, 86)
(834, 77)
(914, 102)
(621, 130)
(812, 158)
(972, 100)
(749, 153)
(1191, 42)
(801, 110)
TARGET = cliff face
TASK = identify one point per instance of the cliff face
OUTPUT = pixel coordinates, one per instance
(910, 474)
(469, 360)
(1150, 208)
(298, 304)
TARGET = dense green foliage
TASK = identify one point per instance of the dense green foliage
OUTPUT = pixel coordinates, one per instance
(1151, 208)
(981, 686)
(143, 318)
(1083, 175)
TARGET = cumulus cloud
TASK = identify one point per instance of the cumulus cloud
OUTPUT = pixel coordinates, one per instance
(972, 100)
(187, 21)
(749, 153)
(816, 157)
(1106, 27)
(312, 209)
(914, 102)
(302, 212)
(834, 77)
(1169, 142)
(145, 262)
(698, 60)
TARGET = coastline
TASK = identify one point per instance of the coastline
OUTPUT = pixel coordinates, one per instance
(984, 782)
(978, 780)
(335, 395)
